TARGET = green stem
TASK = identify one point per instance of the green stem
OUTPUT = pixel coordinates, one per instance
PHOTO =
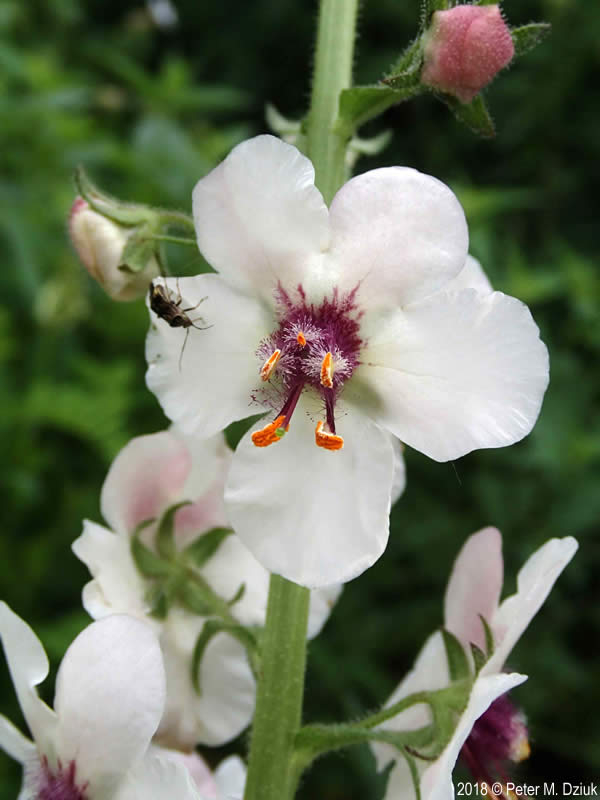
(175, 239)
(333, 72)
(279, 694)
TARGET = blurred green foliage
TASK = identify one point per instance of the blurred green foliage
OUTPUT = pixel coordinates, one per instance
(149, 111)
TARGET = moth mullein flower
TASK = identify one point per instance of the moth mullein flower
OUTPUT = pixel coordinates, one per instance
(227, 782)
(110, 694)
(491, 732)
(343, 326)
(149, 475)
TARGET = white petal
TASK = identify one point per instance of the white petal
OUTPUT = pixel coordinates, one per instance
(212, 384)
(231, 778)
(110, 694)
(454, 373)
(534, 582)
(322, 602)
(118, 587)
(197, 768)
(156, 777)
(314, 516)
(226, 703)
(399, 481)
(471, 276)
(436, 782)
(474, 587)
(259, 217)
(146, 477)
(28, 666)
(14, 743)
(400, 234)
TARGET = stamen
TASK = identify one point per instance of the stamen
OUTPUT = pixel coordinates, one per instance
(269, 365)
(329, 441)
(301, 339)
(327, 371)
(272, 432)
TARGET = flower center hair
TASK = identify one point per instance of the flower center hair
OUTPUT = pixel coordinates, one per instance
(60, 783)
(312, 347)
(498, 737)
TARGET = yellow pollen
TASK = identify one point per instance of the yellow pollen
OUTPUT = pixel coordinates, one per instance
(329, 441)
(520, 750)
(327, 371)
(269, 365)
(301, 339)
(272, 432)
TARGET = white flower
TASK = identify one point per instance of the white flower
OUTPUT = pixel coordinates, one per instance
(227, 782)
(490, 730)
(110, 693)
(345, 325)
(148, 476)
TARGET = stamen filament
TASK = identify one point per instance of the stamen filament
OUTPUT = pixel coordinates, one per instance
(329, 441)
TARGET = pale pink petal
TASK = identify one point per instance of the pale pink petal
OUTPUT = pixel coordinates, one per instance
(197, 768)
(110, 694)
(212, 384)
(145, 478)
(259, 217)
(454, 373)
(157, 777)
(315, 516)
(398, 233)
(231, 778)
(534, 583)
(474, 587)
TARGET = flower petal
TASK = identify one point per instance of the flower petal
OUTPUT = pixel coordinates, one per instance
(211, 385)
(474, 587)
(110, 694)
(156, 777)
(226, 703)
(314, 516)
(259, 217)
(14, 743)
(231, 778)
(28, 666)
(534, 582)
(145, 478)
(399, 233)
(454, 373)
(117, 586)
(399, 481)
(471, 276)
(198, 769)
(436, 781)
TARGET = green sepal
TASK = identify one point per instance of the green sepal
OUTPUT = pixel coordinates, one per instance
(165, 538)
(489, 636)
(404, 81)
(479, 658)
(526, 37)
(431, 6)
(474, 115)
(158, 602)
(147, 562)
(210, 629)
(205, 546)
(194, 597)
(140, 248)
(237, 596)
(410, 60)
(128, 214)
(486, 3)
(362, 103)
(458, 663)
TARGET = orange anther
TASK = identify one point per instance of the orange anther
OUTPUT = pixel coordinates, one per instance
(301, 339)
(327, 371)
(269, 365)
(330, 441)
(270, 433)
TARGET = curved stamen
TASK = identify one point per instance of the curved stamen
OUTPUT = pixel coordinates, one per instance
(272, 432)
(327, 371)
(269, 365)
(326, 440)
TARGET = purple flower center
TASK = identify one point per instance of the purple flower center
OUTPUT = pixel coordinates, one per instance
(312, 346)
(499, 736)
(60, 783)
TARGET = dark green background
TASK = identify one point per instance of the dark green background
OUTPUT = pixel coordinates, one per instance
(149, 112)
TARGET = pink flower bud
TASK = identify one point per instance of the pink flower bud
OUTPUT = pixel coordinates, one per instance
(100, 243)
(465, 48)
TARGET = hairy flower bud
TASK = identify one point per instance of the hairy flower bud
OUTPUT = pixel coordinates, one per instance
(100, 244)
(465, 47)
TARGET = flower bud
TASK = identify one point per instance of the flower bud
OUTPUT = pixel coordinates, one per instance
(100, 244)
(465, 47)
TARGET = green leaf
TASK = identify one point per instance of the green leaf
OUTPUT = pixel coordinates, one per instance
(489, 636)
(362, 103)
(206, 545)
(474, 115)
(527, 37)
(458, 664)
(479, 658)
(165, 539)
(210, 629)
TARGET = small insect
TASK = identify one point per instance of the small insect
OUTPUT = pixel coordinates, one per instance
(167, 306)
